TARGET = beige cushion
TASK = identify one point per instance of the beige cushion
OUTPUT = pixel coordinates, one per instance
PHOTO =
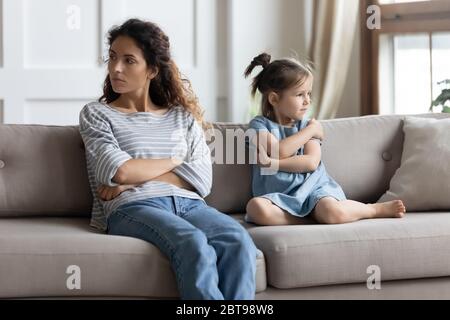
(36, 252)
(43, 171)
(231, 188)
(422, 181)
(310, 255)
(362, 154)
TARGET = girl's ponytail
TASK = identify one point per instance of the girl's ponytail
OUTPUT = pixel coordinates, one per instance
(262, 60)
(276, 76)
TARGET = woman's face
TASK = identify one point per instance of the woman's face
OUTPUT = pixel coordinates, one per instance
(128, 70)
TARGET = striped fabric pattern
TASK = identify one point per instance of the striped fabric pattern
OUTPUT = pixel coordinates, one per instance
(112, 137)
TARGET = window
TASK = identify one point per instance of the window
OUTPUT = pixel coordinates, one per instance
(403, 61)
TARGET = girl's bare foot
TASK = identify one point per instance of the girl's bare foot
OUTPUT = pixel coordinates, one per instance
(390, 209)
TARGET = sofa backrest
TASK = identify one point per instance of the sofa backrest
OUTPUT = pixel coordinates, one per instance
(43, 169)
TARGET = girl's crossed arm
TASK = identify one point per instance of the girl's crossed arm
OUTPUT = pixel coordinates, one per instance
(307, 162)
(289, 146)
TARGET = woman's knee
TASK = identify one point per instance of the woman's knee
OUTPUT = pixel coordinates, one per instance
(234, 234)
(195, 245)
(243, 239)
(240, 246)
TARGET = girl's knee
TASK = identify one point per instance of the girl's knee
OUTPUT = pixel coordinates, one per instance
(253, 205)
(331, 213)
(258, 210)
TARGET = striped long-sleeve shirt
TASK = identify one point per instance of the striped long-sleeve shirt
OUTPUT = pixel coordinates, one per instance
(112, 137)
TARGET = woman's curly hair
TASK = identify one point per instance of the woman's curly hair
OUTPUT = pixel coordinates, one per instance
(168, 89)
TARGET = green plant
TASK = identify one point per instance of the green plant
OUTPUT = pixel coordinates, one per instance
(442, 98)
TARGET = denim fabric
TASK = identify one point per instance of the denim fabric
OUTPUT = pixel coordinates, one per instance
(211, 254)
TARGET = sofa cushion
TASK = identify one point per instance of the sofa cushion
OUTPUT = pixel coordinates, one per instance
(231, 188)
(35, 254)
(310, 255)
(43, 171)
(422, 181)
(363, 153)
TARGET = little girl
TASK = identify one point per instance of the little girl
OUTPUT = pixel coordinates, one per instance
(286, 140)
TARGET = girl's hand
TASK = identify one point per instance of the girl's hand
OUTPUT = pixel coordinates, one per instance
(263, 159)
(318, 129)
(107, 193)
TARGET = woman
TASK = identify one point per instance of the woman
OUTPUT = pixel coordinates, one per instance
(149, 168)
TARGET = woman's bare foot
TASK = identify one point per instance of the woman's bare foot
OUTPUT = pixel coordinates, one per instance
(390, 209)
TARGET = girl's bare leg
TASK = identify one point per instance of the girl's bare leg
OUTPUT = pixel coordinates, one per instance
(330, 211)
(263, 212)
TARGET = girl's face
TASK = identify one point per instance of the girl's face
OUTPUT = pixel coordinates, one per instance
(128, 70)
(292, 104)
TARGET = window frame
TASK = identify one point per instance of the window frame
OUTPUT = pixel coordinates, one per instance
(396, 18)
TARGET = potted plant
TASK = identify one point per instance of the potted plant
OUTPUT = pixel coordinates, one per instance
(442, 98)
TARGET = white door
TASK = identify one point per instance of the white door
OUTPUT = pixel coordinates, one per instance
(51, 52)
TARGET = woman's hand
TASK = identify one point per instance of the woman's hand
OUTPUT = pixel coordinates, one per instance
(318, 129)
(107, 193)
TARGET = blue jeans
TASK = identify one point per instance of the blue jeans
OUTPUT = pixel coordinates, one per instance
(212, 255)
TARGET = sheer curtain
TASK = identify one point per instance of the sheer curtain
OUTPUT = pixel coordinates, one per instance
(334, 23)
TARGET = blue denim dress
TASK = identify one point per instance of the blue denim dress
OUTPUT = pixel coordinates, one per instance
(296, 193)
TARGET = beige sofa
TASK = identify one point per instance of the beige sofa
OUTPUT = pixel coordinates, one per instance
(44, 225)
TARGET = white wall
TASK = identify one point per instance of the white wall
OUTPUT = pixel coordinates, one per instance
(52, 50)
(255, 26)
(279, 27)
(222, 109)
(49, 71)
(1, 56)
(1, 33)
